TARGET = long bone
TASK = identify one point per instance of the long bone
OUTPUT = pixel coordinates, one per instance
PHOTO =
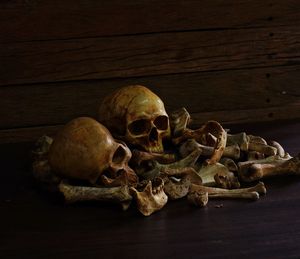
(74, 194)
(277, 168)
(140, 159)
(174, 169)
(200, 136)
(243, 193)
(191, 144)
(243, 167)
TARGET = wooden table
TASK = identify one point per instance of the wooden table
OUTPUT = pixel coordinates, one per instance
(37, 225)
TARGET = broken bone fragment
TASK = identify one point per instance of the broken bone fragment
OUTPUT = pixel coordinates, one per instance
(262, 148)
(152, 198)
(197, 198)
(200, 135)
(74, 194)
(179, 121)
(218, 175)
(178, 187)
(258, 171)
(239, 139)
(280, 150)
(172, 169)
(42, 146)
(229, 163)
(227, 180)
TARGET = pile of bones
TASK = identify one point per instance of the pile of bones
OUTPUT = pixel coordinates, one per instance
(135, 151)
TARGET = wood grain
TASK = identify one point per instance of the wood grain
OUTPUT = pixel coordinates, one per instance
(225, 92)
(52, 19)
(154, 54)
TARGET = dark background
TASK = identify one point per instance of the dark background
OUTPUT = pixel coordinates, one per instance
(233, 61)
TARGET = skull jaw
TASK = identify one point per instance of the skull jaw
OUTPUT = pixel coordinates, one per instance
(152, 198)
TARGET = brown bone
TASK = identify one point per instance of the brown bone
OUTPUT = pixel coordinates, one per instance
(277, 168)
(82, 193)
(200, 135)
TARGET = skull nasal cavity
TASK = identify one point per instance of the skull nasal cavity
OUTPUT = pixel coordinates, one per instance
(119, 155)
(153, 136)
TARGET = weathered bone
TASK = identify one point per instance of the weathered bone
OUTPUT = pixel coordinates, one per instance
(200, 136)
(178, 187)
(124, 178)
(256, 139)
(42, 147)
(243, 167)
(277, 168)
(243, 193)
(239, 139)
(173, 169)
(140, 159)
(197, 198)
(227, 180)
(191, 144)
(208, 172)
(280, 150)
(179, 120)
(82, 193)
(229, 163)
(254, 155)
(152, 198)
(262, 148)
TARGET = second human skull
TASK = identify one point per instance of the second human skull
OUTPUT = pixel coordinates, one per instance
(138, 116)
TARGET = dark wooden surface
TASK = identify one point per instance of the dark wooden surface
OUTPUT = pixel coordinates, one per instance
(36, 225)
(53, 20)
(233, 61)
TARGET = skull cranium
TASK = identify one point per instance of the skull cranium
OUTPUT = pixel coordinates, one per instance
(138, 116)
(84, 149)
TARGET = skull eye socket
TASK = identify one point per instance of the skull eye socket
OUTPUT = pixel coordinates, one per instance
(119, 156)
(161, 122)
(139, 127)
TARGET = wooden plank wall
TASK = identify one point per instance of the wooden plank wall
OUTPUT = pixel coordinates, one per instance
(234, 61)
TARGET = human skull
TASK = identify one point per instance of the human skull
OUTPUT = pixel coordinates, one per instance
(138, 116)
(84, 149)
